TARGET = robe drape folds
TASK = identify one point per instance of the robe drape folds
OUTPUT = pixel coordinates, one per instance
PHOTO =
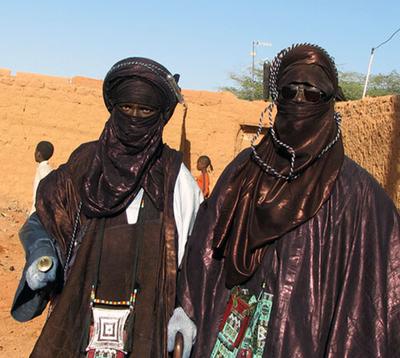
(63, 333)
(335, 278)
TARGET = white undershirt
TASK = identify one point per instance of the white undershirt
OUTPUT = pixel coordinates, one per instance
(186, 202)
(42, 169)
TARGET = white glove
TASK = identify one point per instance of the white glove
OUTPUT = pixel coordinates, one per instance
(180, 322)
(37, 279)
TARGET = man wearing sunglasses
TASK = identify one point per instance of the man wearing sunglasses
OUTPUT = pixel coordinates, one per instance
(296, 253)
(301, 92)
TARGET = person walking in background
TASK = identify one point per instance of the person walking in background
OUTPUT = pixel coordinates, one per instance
(43, 152)
(203, 180)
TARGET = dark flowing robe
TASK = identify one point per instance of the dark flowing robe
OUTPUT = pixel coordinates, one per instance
(65, 332)
(335, 278)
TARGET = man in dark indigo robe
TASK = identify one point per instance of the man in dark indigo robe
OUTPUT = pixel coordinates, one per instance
(110, 228)
(297, 218)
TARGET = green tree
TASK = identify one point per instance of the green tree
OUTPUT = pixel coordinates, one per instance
(245, 87)
(352, 84)
(382, 85)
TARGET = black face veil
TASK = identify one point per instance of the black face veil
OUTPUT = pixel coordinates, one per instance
(269, 195)
(128, 151)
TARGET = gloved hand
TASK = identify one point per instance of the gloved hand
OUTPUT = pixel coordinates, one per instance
(180, 322)
(37, 279)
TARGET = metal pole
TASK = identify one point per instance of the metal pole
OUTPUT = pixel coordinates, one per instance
(372, 56)
(368, 72)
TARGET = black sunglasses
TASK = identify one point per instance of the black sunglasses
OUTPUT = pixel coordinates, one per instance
(310, 93)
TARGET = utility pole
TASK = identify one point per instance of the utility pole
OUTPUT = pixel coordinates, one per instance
(253, 54)
(371, 58)
(368, 72)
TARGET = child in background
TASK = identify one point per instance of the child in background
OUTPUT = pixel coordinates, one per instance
(203, 180)
(44, 151)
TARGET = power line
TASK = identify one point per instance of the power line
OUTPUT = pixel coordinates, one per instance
(391, 36)
(371, 58)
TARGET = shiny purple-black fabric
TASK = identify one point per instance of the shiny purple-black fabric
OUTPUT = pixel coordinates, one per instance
(254, 208)
(335, 278)
(127, 158)
(128, 151)
(140, 68)
(57, 205)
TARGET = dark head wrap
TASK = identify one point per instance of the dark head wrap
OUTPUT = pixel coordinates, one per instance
(136, 90)
(145, 69)
(290, 174)
(129, 149)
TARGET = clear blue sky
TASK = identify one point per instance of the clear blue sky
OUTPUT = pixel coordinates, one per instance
(202, 40)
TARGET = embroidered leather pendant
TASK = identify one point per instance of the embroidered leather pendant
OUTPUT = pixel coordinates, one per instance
(243, 330)
(107, 339)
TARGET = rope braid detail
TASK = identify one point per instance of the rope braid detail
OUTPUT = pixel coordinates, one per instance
(273, 90)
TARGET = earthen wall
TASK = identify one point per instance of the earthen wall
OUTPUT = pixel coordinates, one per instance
(69, 111)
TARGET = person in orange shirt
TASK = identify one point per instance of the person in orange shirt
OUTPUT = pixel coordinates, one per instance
(203, 180)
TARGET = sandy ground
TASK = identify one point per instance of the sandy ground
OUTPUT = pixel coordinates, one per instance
(16, 339)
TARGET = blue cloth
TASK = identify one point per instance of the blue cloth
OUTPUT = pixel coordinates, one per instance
(36, 242)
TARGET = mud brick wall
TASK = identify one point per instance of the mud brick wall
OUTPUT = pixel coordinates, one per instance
(70, 111)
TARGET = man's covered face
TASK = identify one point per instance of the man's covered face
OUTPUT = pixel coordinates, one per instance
(302, 92)
(305, 83)
(137, 98)
(305, 86)
(138, 110)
